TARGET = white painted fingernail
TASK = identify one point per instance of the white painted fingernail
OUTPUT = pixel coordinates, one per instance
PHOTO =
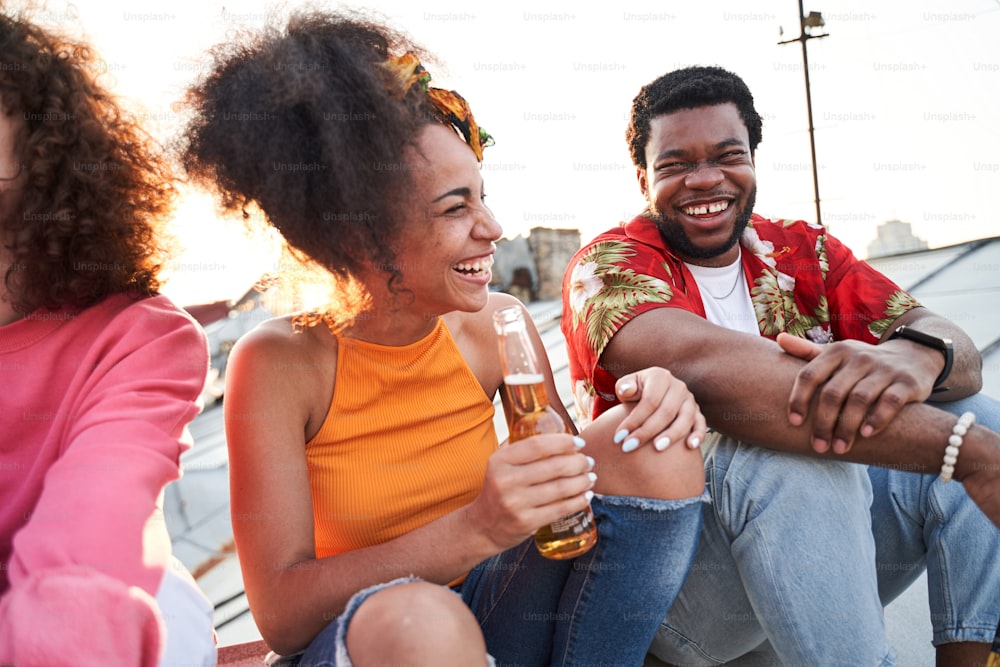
(661, 443)
(694, 443)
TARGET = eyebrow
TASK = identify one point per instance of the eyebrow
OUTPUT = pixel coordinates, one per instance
(459, 192)
(677, 152)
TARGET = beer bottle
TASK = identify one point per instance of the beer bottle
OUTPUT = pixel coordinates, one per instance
(530, 414)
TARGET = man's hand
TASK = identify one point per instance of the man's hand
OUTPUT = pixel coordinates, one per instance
(858, 388)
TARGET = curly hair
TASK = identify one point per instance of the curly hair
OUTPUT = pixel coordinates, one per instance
(299, 122)
(688, 88)
(86, 217)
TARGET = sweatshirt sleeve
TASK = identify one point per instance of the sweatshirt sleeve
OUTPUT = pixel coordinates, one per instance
(87, 565)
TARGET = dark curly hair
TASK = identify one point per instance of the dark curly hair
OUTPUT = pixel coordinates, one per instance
(688, 88)
(84, 218)
(299, 122)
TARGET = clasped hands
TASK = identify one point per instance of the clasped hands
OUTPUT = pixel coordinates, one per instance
(858, 389)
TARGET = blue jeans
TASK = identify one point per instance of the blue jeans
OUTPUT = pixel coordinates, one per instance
(601, 608)
(804, 553)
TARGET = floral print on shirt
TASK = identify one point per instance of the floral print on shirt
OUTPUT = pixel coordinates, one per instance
(604, 291)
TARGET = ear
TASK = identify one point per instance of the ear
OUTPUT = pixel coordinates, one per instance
(640, 174)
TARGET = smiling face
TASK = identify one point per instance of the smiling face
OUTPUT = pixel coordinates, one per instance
(445, 248)
(700, 181)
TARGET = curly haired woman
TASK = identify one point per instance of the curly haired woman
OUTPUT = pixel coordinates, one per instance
(366, 477)
(101, 375)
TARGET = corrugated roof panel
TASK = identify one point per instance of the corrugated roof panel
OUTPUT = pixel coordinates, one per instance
(965, 288)
(909, 269)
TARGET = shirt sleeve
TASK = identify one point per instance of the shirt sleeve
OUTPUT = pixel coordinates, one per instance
(863, 302)
(97, 528)
(609, 282)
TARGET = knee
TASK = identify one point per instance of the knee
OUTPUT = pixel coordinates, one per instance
(673, 474)
(414, 614)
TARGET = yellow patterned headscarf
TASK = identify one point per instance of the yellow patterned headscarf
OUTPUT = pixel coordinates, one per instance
(406, 70)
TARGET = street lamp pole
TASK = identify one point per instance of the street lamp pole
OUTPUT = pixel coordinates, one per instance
(806, 24)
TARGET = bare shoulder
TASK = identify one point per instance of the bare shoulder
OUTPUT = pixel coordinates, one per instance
(283, 366)
(271, 345)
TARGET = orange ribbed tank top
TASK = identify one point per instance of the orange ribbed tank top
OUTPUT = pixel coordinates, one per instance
(405, 441)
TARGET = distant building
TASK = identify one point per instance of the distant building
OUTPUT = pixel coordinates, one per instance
(514, 269)
(531, 268)
(895, 237)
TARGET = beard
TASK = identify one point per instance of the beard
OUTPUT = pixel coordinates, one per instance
(673, 232)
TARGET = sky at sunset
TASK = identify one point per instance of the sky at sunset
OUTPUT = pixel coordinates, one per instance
(904, 97)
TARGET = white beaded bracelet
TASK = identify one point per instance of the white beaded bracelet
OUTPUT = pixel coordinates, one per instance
(962, 427)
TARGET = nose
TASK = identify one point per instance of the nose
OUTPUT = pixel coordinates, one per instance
(487, 226)
(704, 177)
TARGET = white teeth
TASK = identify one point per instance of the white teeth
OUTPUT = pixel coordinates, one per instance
(477, 266)
(717, 207)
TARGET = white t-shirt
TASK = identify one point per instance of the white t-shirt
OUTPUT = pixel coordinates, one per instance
(726, 297)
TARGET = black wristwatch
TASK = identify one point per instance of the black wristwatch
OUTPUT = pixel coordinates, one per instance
(941, 344)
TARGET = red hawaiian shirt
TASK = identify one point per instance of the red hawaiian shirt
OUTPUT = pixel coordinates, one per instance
(802, 281)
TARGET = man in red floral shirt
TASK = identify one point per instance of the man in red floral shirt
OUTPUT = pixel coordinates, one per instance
(789, 342)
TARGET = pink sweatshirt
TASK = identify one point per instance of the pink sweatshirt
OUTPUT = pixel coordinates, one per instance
(93, 409)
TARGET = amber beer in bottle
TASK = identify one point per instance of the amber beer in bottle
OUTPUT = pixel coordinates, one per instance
(530, 414)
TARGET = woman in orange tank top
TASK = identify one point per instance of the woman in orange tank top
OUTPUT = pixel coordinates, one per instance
(367, 484)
